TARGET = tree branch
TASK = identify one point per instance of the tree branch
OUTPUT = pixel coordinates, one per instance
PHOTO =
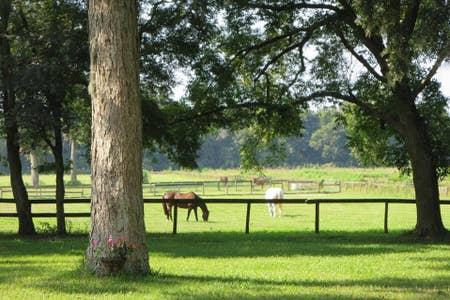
(409, 22)
(374, 42)
(244, 52)
(292, 6)
(351, 98)
(308, 34)
(275, 58)
(444, 54)
(308, 29)
(359, 57)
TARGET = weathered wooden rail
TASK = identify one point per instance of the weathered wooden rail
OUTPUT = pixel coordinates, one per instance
(228, 201)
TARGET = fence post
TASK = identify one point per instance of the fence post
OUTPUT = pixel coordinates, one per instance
(251, 187)
(317, 217)
(175, 217)
(247, 220)
(386, 205)
(235, 184)
(203, 188)
(339, 183)
(226, 188)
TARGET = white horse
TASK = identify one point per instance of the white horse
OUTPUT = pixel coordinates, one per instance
(274, 196)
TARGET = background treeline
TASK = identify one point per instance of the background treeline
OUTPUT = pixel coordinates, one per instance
(323, 142)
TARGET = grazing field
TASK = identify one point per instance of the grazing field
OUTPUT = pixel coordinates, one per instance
(227, 265)
(281, 258)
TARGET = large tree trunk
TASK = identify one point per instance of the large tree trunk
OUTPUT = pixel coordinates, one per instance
(34, 162)
(73, 161)
(117, 207)
(414, 130)
(429, 219)
(26, 226)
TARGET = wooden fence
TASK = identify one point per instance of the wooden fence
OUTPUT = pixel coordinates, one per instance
(248, 203)
(386, 202)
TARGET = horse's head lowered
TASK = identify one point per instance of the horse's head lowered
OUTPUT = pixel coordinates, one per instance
(205, 215)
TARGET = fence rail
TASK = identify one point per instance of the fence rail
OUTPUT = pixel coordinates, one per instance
(248, 203)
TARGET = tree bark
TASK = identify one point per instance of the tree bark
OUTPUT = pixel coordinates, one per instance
(117, 207)
(26, 225)
(73, 160)
(34, 161)
(429, 220)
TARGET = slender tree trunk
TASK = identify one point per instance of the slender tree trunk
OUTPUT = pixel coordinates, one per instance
(26, 225)
(23, 207)
(73, 159)
(34, 160)
(117, 207)
(60, 191)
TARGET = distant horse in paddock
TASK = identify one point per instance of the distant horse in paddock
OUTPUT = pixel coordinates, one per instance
(260, 181)
(224, 180)
(190, 201)
(274, 197)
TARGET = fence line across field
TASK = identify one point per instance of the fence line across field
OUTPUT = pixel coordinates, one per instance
(287, 185)
(248, 203)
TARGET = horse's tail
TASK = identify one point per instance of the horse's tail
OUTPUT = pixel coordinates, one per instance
(166, 208)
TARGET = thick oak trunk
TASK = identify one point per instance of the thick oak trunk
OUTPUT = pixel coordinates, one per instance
(117, 207)
(34, 162)
(414, 130)
(429, 219)
(26, 226)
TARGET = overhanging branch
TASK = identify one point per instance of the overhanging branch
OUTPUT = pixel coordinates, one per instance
(309, 30)
(374, 42)
(359, 57)
(292, 6)
(444, 54)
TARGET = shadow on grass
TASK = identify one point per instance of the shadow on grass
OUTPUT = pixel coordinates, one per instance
(47, 261)
(223, 287)
(233, 244)
(265, 244)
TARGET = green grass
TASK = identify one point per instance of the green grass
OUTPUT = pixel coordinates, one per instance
(227, 265)
(281, 258)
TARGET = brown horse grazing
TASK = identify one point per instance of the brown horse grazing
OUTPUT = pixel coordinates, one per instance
(185, 200)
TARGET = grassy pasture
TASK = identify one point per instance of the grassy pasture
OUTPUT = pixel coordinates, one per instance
(281, 258)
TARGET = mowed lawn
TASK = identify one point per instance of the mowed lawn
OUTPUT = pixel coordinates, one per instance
(281, 258)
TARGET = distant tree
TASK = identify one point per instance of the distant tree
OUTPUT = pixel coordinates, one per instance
(117, 204)
(330, 139)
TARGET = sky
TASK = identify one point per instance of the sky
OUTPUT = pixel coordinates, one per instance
(443, 75)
